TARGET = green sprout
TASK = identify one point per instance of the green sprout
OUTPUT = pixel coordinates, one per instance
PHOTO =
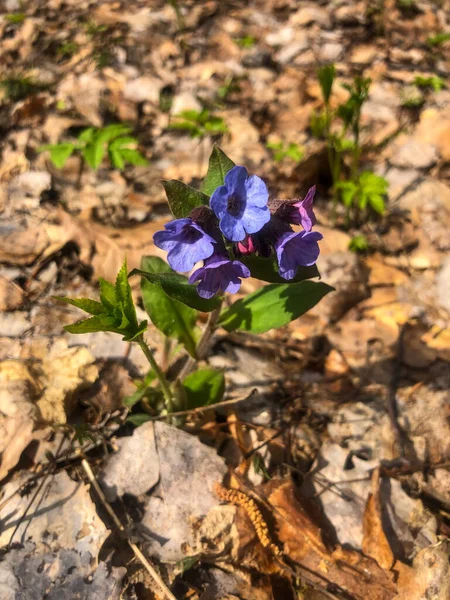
(437, 40)
(16, 18)
(281, 151)
(67, 49)
(246, 42)
(434, 82)
(199, 124)
(340, 128)
(19, 87)
(358, 244)
(94, 143)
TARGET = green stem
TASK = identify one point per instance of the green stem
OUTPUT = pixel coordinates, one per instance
(159, 374)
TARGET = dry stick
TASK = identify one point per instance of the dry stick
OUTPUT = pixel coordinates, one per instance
(138, 554)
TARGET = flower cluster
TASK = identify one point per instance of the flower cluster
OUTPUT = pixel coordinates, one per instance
(241, 220)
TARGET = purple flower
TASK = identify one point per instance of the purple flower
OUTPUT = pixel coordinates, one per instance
(296, 250)
(302, 213)
(241, 204)
(219, 273)
(186, 243)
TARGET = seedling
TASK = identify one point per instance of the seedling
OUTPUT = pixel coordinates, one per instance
(16, 18)
(95, 143)
(19, 87)
(67, 49)
(340, 127)
(281, 151)
(358, 244)
(438, 40)
(246, 42)
(199, 124)
(434, 82)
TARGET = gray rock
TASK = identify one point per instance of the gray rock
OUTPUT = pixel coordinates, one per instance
(343, 271)
(331, 51)
(25, 189)
(443, 285)
(133, 469)
(290, 51)
(185, 101)
(188, 472)
(143, 89)
(311, 14)
(415, 154)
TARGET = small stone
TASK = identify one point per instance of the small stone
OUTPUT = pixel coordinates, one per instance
(311, 14)
(364, 55)
(343, 271)
(443, 285)
(185, 101)
(143, 89)
(291, 51)
(280, 37)
(331, 51)
(399, 180)
(413, 153)
(350, 14)
(25, 189)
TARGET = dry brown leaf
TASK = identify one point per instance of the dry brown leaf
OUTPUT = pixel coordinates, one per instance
(359, 576)
(11, 295)
(430, 576)
(375, 543)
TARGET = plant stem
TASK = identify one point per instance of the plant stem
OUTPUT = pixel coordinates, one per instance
(203, 345)
(159, 374)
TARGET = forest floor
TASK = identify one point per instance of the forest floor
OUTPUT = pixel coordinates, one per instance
(345, 445)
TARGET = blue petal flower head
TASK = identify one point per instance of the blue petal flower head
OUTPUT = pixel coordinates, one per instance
(241, 204)
(296, 250)
(219, 273)
(302, 212)
(186, 243)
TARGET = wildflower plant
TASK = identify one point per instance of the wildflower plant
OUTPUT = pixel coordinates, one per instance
(341, 128)
(94, 143)
(229, 230)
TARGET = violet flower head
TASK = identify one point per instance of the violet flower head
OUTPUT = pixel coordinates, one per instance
(297, 249)
(186, 243)
(241, 204)
(219, 273)
(302, 212)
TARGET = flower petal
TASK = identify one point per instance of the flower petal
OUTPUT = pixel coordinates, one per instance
(232, 228)
(235, 180)
(257, 192)
(180, 259)
(254, 218)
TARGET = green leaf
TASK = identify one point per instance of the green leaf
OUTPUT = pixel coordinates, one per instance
(182, 198)
(87, 134)
(219, 165)
(59, 153)
(177, 287)
(116, 158)
(266, 269)
(93, 154)
(170, 316)
(326, 76)
(273, 306)
(134, 157)
(92, 325)
(138, 419)
(112, 131)
(90, 306)
(123, 142)
(142, 390)
(107, 294)
(124, 296)
(348, 191)
(204, 387)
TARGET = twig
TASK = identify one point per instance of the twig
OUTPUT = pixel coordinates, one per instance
(202, 409)
(138, 554)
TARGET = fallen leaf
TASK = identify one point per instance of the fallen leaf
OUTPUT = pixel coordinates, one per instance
(375, 543)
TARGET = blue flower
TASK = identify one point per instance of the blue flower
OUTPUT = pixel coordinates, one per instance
(219, 273)
(186, 243)
(302, 212)
(296, 250)
(241, 204)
